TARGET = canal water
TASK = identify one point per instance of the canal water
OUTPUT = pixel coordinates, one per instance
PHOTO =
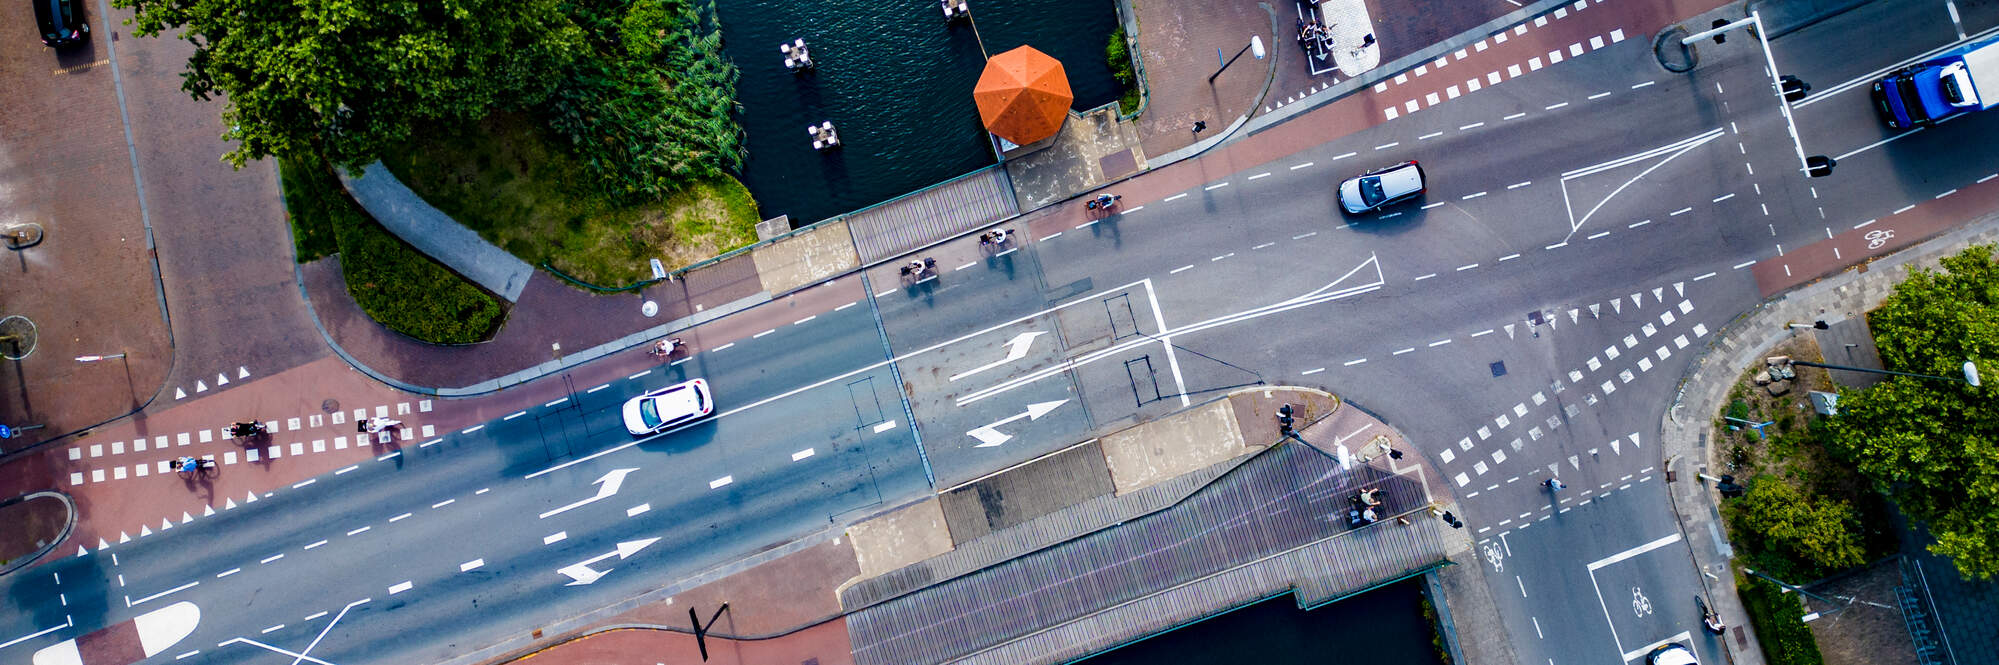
(896, 79)
(1381, 627)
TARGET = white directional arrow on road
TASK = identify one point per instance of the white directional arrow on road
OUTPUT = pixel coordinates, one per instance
(1016, 349)
(581, 573)
(606, 486)
(989, 435)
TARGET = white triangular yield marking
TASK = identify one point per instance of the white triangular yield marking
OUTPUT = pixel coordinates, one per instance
(1575, 315)
(221, 379)
(1593, 308)
(200, 387)
(1659, 294)
(1509, 331)
(145, 531)
(242, 372)
(166, 524)
(1574, 463)
(179, 394)
(1551, 323)
(80, 551)
(1638, 301)
(206, 511)
(228, 504)
(123, 538)
(1634, 440)
(1680, 288)
(1614, 445)
(1592, 452)
(1617, 306)
(186, 518)
(250, 498)
(101, 545)
(1555, 469)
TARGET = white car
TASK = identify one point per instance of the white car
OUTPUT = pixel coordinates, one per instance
(1380, 188)
(677, 404)
(1671, 654)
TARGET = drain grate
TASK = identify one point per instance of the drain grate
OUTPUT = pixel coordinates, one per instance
(1499, 369)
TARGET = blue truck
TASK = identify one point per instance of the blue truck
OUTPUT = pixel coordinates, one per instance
(1961, 80)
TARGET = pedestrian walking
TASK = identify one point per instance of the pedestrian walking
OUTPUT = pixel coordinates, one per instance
(1554, 484)
(1200, 126)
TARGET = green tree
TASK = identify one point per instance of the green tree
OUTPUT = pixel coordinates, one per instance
(348, 79)
(1933, 446)
(1812, 535)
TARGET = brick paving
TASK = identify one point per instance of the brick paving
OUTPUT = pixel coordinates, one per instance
(88, 287)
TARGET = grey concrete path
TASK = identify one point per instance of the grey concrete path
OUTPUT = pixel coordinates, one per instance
(1748, 340)
(436, 234)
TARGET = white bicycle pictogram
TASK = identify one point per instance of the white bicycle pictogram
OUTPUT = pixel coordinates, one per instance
(1493, 556)
(1878, 237)
(1640, 605)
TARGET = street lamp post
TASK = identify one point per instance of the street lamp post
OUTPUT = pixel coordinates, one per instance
(1970, 372)
(1255, 44)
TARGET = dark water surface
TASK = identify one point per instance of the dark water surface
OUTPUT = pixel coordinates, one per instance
(1381, 627)
(896, 79)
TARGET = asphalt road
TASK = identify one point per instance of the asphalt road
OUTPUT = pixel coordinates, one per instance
(1587, 227)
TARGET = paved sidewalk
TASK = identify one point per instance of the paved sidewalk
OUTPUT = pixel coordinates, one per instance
(436, 234)
(1745, 342)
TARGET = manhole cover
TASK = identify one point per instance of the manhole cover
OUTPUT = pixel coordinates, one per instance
(1499, 369)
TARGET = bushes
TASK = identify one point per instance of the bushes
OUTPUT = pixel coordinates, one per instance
(1117, 54)
(1777, 617)
(396, 285)
(1793, 533)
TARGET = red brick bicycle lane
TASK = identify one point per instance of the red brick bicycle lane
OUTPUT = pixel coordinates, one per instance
(1875, 238)
(823, 644)
(1365, 108)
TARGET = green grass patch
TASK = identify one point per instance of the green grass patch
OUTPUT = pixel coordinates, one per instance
(506, 178)
(1777, 617)
(395, 284)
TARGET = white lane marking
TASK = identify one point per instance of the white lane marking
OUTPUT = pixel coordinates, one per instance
(1310, 372)
(1180, 269)
(1598, 96)
(472, 565)
(1397, 353)
(1982, 181)
(229, 572)
(1471, 126)
(1218, 258)
(1703, 277)
(761, 334)
(1351, 363)
(725, 347)
(1467, 266)
(399, 518)
(565, 399)
(305, 482)
(851, 304)
(1634, 225)
(272, 629)
(399, 588)
(1903, 209)
(634, 376)
(513, 415)
(315, 545)
(1429, 136)
(443, 503)
(1214, 187)
(1482, 333)
(809, 318)
(1424, 277)
(1516, 115)
(802, 454)
(1440, 342)
(1300, 166)
(554, 538)
(1742, 265)
(1127, 211)
(1598, 235)
(1386, 146)
(638, 510)
(1519, 185)
(1267, 244)
(1340, 156)
(968, 264)
(1558, 245)
(1304, 236)
(884, 293)
(358, 531)
(1641, 85)
(345, 470)
(1051, 236)
(1433, 205)
(1264, 174)
(1944, 194)
(592, 390)
(1871, 221)
(1469, 197)
(1554, 106)
(1175, 197)
(1724, 197)
(1681, 211)
(719, 482)
(271, 558)
(1509, 257)
(471, 429)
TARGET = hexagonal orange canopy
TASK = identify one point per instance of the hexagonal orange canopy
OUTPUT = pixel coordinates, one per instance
(1023, 95)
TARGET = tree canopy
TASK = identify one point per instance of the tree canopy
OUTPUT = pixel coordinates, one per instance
(1932, 445)
(1810, 534)
(640, 88)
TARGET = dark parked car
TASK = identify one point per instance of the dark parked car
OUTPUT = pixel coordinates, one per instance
(61, 22)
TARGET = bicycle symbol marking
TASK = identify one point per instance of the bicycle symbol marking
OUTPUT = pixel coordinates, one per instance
(1878, 237)
(1493, 556)
(1640, 605)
